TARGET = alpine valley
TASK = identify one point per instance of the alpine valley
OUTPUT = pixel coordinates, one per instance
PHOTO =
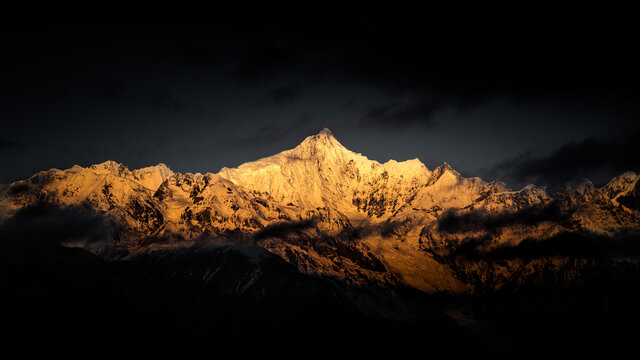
(318, 251)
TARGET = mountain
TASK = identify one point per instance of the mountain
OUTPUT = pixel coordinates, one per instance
(331, 212)
(318, 244)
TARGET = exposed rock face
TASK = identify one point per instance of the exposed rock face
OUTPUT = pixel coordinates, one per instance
(335, 213)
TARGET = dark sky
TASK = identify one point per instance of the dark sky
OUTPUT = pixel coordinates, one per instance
(526, 96)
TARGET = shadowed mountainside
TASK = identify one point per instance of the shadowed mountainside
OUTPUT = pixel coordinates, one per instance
(313, 250)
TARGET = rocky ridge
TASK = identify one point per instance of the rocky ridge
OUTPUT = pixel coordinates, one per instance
(337, 214)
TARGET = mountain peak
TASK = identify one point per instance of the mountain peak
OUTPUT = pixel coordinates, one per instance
(108, 166)
(325, 136)
(446, 167)
(320, 143)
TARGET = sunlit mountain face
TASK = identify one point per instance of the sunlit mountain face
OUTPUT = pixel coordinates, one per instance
(323, 248)
(198, 187)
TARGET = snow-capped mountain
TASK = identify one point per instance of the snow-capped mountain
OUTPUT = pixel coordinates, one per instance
(334, 213)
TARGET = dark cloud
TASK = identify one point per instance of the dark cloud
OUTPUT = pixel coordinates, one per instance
(598, 159)
(274, 132)
(285, 228)
(110, 90)
(53, 224)
(400, 70)
(197, 45)
(265, 59)
(10, 144)
(464, 60)
(41, 92)
(42, 227)
(395, 114)
(267, 133)
(165, 101)
(570, 244)
(460, 221)
(385, 229)
(464, 56)
(283, 95)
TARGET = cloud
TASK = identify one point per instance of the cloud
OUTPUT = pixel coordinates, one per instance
(465, 60)
(10, 144)
(283, 95)
(458, 221)
(343, 244)
(285, 228)
(571, 244)
(45, 226)
(405, 113)
(265, 58)
(349, 234)
(385, 229)
(581, 244)
(110, 90)
(357, 57)
(165, 101)
(273, 132)
(599, 159)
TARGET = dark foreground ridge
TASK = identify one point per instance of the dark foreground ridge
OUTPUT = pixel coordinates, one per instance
(228, 300)
(209, 301)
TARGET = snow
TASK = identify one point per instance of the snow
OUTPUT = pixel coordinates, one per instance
(318, 180)
(321, 172)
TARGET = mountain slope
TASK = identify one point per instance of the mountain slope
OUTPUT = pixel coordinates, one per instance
(332, 213)
(320, 172)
